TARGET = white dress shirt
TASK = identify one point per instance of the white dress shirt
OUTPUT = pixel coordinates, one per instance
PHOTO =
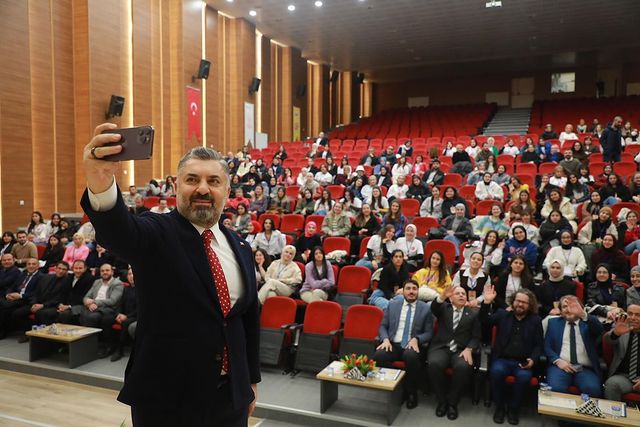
(397, 338)
(565, 353)
(107, 200)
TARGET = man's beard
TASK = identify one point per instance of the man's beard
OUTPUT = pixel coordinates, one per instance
(201, 215)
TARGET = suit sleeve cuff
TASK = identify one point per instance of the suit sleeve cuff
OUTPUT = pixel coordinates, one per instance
(105, 201)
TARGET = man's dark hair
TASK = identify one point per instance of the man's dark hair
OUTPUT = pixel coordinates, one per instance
(21, 232)
(412, 282)
(65, 263)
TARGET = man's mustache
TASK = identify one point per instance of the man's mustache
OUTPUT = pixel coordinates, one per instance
(206, 198)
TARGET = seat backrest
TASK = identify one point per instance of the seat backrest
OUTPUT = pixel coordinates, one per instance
(322, 317)
(277, 311)
(607, 351)
(330, 244)
(363, 247)
(353, 279)
(292, 223)
(362, 321)
(424, 224)
(484, 206)
(301, 267)
(447, 248)
(274, 217)
(580, 291)
(410, 207)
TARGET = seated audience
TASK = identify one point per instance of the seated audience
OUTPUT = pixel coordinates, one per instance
(472, 280)
(305, 205)
(262, 261)
(379, 203)
(306, 242)
(517, 349)
(412, 248)
(336, 223)
(605, 298)
(571, 346)
(555, 201)
(488, 189)
(101, 301)
(614, 191)
(77, 250)
(501, 177)
(38, 228)
(139, 206)
(452, 346)
(283, 276)
(97, 257)
(492, 222)
(396, 218)
(456, 228)
(633, 292)
(576, 191)
(324, 204)
(575, 264)
(434, 176)
(432, 205)
(53, 254)
(241, 220)
(515, 277)
(624, 371)
(319, 279)
(8, 240)
(280, 203)
(23, 250)
(379, 249)
(553, 288)
(9, 272)
(365, 225)
(399, 190)
(259, 201)
(162, 207)
(18, 294)
(433, 278)
(551, 228)
(491, 249)
(449, 202)
(392, 277)
(406, 326)
(71, 301)
(127, 315)
(609, 254)
(269, 239)
(519, 244)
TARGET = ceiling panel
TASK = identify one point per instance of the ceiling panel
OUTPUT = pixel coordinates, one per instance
(377, 35)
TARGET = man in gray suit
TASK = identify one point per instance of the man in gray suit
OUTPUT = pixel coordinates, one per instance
(103, 298)
(457, 337)
(406, 325)
(624, 372)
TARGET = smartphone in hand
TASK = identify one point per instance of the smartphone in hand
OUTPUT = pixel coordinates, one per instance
(137, 143)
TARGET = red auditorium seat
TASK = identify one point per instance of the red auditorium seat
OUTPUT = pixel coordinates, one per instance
(453, 179)
(447, 248)
(330, 244)
(318, 340)
(337, 191)
(527, 168)
(292, 224)
(361, 326)
(424, 224)
(277, 316)
(410, 207)
(547, 168)
(483, 207)
(363, 247)
(353, 285)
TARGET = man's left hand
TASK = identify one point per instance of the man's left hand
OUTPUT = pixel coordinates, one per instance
(413, 345)
(466, 355)
(252, 405)
(527, 365)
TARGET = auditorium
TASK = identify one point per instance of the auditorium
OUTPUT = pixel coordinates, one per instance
(319, 213)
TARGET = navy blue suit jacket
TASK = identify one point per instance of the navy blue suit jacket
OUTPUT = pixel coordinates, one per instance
(590, 331)
(181, 332)
(421, 328)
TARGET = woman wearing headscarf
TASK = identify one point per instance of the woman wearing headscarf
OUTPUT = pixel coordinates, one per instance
(309, 240)
(520, 245)
(591, 234)
(633, 292)
(318, 278)
(551, 228)
(609, 254)
(551, 290)
(604, 297)
(283, 276)
(575, 264)
(412, 248)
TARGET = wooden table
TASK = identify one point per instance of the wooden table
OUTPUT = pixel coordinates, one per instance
(82, 343)
(390, 387)
(632, 418)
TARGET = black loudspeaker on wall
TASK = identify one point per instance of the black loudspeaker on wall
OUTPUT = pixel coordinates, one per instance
(301, 91)
(254, 85)
(116, 105)
(334, 76)
(203, 71)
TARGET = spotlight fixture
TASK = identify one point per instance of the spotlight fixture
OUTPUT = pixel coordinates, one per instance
(229, 1)
(493, 3)
(291, 7)
(318, 3)
(252, 12)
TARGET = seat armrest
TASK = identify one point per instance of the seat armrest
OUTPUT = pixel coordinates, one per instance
(289, 326)
(337, 332)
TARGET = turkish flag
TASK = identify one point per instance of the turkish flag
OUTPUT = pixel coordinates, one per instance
(194, 119)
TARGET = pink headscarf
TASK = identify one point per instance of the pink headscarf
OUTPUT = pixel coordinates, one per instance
(308, 233)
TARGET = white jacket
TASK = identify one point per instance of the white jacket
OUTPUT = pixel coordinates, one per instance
(491, 191)
(574, 262)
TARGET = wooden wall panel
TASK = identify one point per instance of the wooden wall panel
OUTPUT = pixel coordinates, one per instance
(286, 98)
(266, 87)
(15, 104)
(298, 79)
(62, 24)
(42, 107)
(214, 54)
(326, 98)
(191, 55)
(144, 77)
(345, 97)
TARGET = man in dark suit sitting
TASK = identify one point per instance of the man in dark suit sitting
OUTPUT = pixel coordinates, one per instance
(18, 294)
(406, 326)
(571, 346)
(48, 294)
(517, 348)
(72, 295)
(624, 372)
(8, 272)
(457, 337)
(203, 369)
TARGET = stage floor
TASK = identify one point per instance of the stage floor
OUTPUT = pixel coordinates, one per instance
(282, 400)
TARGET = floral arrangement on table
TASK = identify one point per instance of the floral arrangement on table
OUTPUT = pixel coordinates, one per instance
(357, 366)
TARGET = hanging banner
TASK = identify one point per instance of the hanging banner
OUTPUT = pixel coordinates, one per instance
(296, 124)
(194, 114)
(249, 126)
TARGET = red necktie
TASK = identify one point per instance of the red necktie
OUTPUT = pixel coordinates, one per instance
(221, 286)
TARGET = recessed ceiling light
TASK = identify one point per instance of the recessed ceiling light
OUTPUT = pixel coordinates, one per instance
(253, 13)
(229, 1)
(318, 3)
(291, 7)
